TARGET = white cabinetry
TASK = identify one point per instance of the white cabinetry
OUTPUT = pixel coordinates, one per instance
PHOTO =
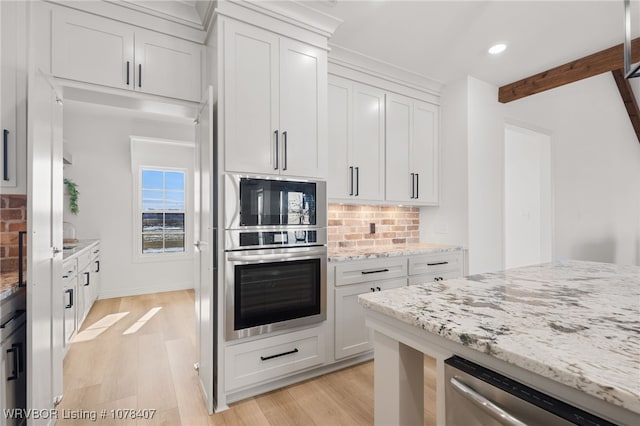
(102, 51)
(274, 103)
(411, 151)
(352, 336)
(13, 357)
(13, 97)
(273, 357)
(70, 297)
(435, 267)
(356, 141)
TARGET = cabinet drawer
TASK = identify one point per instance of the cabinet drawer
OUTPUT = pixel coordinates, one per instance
(84, 259)
(95, 251)
(272, 358)
(370, 270)
(69, 269)
(429, 278)
(435, 263)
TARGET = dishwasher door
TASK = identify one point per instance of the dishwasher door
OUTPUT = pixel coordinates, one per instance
(475, 395)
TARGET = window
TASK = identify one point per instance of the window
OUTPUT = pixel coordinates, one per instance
(163, 211)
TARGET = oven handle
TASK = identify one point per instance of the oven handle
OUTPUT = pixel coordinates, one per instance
(238, 257)
(485, 404)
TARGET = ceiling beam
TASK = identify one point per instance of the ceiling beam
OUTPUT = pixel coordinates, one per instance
(629, 100)
(604, 61)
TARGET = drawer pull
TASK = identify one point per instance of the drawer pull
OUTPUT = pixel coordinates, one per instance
(88, 275)
(264, 358)
(376, 271)
(378, 288)
(15, 315)
(69, 291)
(437, 263)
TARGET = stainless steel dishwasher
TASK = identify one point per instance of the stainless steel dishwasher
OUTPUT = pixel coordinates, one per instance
(475, 395)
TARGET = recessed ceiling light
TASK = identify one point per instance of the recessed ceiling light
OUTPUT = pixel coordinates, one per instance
(497, 48)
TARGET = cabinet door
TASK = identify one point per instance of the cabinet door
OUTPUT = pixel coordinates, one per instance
(81, 295)
(368, 143)
(95, 280)
(69, 323)
(352, 335)
(424, 152)
(86, 285)
(303, 109)
(13, 373)
(167, 66)
(13, 144)
(340, 105)
(92, 49)
(250, 99)
(399, 176)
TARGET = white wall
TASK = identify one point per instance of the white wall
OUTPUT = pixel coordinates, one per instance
(448, 223)
(595, 159)
(98, 138)
(596, 169)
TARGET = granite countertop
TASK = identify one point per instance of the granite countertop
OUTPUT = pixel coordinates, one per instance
(8, 284)
(577, 323)
(79, 248)
(359, 253)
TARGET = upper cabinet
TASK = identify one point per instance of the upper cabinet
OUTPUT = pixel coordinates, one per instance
(13, 98)
(274, 103)
(411, 151)
(383, 146)
(356, 141)
(102, 51)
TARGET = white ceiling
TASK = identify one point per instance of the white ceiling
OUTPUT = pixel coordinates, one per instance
(446, 40)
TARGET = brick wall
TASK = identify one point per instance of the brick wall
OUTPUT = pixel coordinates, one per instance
(349, 225)
(13, 218)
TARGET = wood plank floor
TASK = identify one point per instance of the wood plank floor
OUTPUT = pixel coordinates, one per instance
(131, 355)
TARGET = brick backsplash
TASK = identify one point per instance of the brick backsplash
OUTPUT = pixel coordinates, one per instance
(13, 218)
(349, 225)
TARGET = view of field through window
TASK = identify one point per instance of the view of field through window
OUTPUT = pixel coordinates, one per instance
(163, 211)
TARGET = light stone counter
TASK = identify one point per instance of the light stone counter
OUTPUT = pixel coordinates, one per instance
(376, 252)
(577, 323)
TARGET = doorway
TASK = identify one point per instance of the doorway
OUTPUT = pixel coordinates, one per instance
(528, 201)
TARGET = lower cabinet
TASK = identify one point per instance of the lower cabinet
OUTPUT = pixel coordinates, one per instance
(273, 357)
(13, 362)
(435, 267)
(352, 335)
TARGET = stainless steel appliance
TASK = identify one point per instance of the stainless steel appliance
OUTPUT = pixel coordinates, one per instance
(275, 254)
(475, 395)
(258, 201)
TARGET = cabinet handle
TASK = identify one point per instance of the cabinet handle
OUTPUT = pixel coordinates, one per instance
(15, 315)
(128, 64)
(413, 185)
(5, 154)
(378, 288)
(357, 181)
(376, 271)
(284, 149)
(437, 263)
(276, 151)
(264, 358)
(417, 185)
(88, 275)
(139, 75)
(69, 291)
(351, 180)
(372, 289)
(21, 282)
(97, 266)
(20, 357)
(13, 351)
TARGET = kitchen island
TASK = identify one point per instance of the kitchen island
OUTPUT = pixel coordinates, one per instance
(570, 329)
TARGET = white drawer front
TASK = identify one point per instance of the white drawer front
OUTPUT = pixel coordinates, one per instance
(360, 271)
(428, 278)
(69, 269)
(435, 263)
(271, 358)
(84, 258)
(95, 251)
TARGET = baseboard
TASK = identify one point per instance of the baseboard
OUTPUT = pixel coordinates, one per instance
(136, 291)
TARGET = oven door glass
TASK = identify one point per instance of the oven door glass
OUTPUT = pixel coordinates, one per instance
(266, 293)
(277, 202)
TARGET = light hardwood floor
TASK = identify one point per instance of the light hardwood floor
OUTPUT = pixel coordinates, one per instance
(113, 366)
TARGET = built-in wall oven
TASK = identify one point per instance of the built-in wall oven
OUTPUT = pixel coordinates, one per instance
(275, 254)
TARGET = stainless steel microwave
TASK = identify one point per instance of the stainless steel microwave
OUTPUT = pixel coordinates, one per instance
(259, 202)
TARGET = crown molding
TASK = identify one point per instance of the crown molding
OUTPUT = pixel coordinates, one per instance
(349, 59)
